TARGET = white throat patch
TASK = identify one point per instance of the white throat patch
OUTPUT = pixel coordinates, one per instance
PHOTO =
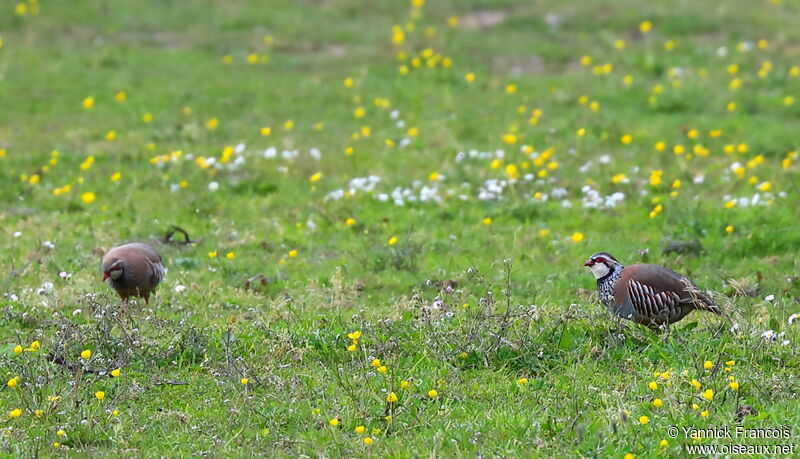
(115, 273)
(599, 270)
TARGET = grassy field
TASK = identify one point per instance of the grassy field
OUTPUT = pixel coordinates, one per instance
(389, 206)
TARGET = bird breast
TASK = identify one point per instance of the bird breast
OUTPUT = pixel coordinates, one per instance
(605, 287)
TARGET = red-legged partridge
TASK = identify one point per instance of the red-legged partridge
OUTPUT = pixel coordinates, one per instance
(133, 270)
(646, 294)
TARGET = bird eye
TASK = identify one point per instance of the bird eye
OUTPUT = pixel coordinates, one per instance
(599, 260)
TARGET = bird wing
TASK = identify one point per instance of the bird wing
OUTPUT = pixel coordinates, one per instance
(655, 290)
(157, 273)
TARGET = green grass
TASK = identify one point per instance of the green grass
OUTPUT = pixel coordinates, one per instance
(458, 306)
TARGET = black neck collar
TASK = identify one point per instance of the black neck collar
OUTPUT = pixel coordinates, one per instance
(611, 270)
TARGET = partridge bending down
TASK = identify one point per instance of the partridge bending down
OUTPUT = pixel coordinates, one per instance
(646, 294)
(133, 270)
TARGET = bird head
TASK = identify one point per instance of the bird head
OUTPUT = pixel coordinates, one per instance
(114, 270)
(602, 263)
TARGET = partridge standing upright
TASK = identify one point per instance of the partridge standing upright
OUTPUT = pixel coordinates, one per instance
(133, 270)
(646, 294)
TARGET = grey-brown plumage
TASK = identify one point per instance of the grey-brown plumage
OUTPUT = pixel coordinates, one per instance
(133, 270)
(647, 294)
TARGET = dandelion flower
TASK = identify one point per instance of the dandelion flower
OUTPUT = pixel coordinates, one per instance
(15, 413)
(487, 221)
(470, 77)
(433, 393)
(652, 385)
(212, 254)
(404, 384)
(230, 255)
(334, 422)
(116, 373)
(88, 197)
(708, 394)
(644, 420)
(212, 124)
(12, 382)
(99, 395)
(244, 381)
(658, 403)
(382, 369)
(645, 26)
(121, 96)
(18, 349)
(392, 241)
(577, 237)
(86, 354)
(734, 385)
(391, 398)
(704, 413)
(522, 381)
(116, 176)
(368, 440)
(88, 102)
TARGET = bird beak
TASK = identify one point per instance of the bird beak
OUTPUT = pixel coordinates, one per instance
(589, 263)
(106, 276)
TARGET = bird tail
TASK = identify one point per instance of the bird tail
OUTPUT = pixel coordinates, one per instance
(704, 302)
